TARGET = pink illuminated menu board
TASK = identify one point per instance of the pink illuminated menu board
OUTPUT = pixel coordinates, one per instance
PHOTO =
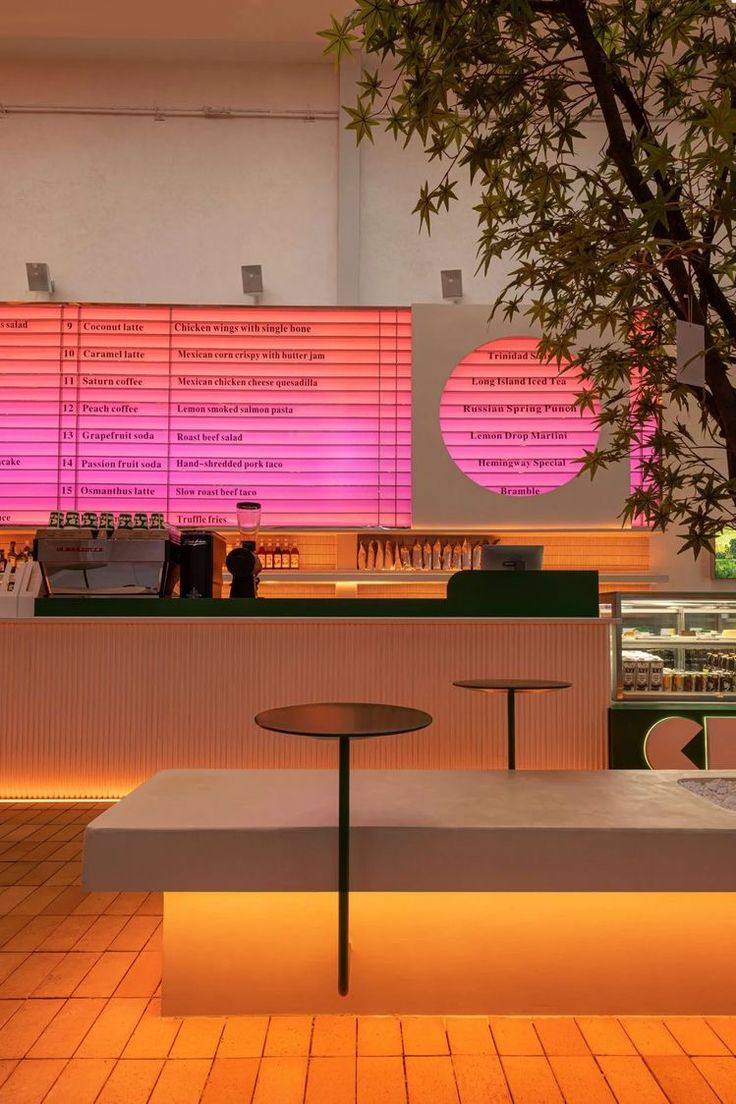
(185, 411)
(510, 423)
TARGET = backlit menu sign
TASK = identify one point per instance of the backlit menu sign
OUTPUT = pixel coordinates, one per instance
(186, 411)
(510, 422)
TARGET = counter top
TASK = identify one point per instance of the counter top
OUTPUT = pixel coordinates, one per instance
(470, 594)
(429, 830)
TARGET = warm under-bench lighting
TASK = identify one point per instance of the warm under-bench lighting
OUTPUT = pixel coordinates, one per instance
(443, 953)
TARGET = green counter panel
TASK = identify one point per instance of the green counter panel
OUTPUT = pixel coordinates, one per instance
(470, 594)
(672, 735)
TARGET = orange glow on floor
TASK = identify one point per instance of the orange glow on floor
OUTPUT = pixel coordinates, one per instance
(60, 1043)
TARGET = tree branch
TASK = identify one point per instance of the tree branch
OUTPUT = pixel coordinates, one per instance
(603, 78)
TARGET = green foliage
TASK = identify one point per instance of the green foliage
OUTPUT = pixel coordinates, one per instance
(599, 136)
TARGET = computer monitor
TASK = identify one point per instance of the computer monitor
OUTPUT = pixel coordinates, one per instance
(511, 557)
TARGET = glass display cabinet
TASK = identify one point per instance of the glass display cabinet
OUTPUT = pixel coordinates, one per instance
(674, 646)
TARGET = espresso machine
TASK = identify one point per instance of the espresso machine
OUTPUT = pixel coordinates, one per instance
(99, 559)
(243, 563)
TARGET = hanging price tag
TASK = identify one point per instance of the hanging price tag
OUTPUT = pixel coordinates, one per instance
(690, 353)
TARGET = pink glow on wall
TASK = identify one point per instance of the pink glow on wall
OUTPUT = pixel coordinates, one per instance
(509, 421)
(186, 410)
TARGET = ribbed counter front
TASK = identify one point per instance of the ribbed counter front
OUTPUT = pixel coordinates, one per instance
(94, 706)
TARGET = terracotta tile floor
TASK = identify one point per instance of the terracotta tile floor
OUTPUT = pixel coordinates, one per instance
(80, 1023)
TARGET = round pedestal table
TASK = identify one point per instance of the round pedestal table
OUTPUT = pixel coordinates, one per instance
(343, 721)
(512, 687)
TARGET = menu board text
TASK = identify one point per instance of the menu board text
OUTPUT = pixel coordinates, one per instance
(185, 411)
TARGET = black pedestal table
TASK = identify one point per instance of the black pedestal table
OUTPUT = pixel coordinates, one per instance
(343, 721)
(512, 687)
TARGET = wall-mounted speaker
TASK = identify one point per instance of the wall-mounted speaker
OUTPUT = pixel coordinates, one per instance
(252, 279)
(452, 283)
(39, 277)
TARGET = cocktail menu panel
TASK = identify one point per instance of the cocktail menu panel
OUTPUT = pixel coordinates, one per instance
(186, 411)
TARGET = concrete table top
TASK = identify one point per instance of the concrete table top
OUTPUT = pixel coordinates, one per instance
(274, 830)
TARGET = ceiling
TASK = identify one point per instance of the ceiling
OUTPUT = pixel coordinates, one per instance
(167, 29)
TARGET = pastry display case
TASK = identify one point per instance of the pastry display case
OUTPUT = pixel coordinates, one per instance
(674, 646)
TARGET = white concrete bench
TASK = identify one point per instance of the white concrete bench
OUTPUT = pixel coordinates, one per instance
(551, 891)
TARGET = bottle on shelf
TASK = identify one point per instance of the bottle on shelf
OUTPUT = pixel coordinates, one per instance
(12, 555)
(3, 560)
(268, 557)
(362, 556)
(447, 556)
(416, 555)
(466, 558)
(437, 555)
(277, 556)
(379, 556)
(261, 554)
(427, 554)
(294, 557)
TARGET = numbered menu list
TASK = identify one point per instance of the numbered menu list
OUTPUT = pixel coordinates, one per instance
(187, 411)
(510, 422)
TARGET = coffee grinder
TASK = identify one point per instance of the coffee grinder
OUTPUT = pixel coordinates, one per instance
(243, 563)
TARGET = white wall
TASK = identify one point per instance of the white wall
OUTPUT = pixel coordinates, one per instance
(133, 209)
(397, 259)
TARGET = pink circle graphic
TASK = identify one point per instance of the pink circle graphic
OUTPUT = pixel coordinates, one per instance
(510, 422)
